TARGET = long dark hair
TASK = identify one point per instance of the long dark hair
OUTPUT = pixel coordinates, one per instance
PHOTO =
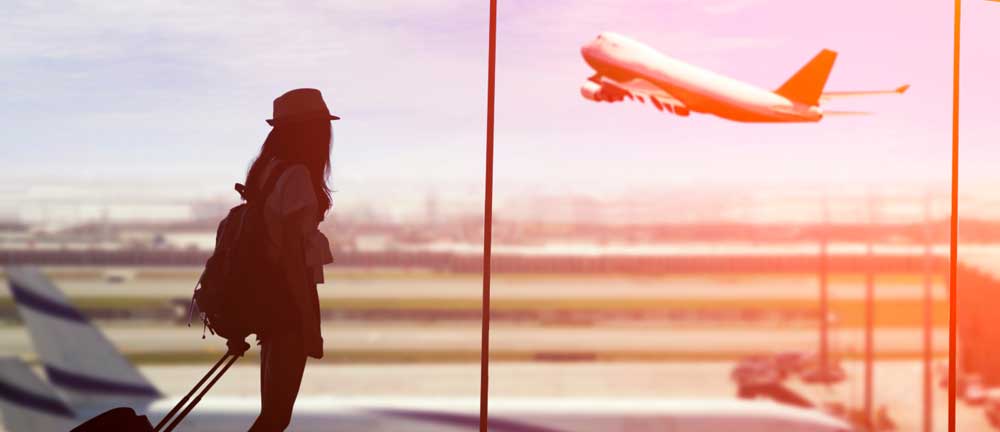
(306, 142)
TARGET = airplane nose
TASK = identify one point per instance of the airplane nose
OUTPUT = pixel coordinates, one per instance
(588, 48)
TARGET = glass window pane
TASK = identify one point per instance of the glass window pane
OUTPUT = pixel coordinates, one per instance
(126, 126)
(656, 250)
(978, 273)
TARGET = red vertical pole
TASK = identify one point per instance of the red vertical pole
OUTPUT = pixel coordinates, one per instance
(484, 349)
(953, 253)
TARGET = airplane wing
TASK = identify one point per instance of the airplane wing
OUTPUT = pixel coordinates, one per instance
(840, 94)
(642, 90)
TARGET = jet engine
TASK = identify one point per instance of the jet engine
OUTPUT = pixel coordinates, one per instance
(598, 93)
(591, 91)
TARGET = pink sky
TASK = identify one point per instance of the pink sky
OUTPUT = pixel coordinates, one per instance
(881, 45)
(163, 92)
(906, 143)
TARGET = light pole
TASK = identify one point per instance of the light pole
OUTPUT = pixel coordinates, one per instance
(824, 307)
(869, 314)
(928, 317)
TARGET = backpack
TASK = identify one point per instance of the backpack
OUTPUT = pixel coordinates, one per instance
(237, 292)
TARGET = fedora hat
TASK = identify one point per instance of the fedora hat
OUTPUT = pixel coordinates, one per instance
(299, 105)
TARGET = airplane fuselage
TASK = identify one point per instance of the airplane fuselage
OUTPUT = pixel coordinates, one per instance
(623, 59)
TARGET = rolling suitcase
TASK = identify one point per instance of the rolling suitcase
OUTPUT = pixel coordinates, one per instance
(125, 419)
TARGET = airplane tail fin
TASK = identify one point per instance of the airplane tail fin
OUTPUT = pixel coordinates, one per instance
(77, 357)
(28, 403)
(806, 86)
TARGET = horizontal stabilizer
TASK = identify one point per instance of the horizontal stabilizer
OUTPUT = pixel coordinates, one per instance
(28, 403)
(840, 94)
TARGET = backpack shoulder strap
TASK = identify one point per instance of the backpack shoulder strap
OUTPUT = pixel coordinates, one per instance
(272, 179)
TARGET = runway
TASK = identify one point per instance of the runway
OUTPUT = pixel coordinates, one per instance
(655, 359)
(897, 384)
(178, 282)
(458, 343)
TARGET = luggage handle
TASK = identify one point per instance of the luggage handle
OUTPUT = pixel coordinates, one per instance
(235, 351)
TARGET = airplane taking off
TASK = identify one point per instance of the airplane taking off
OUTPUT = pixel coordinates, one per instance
(626, 68)
(87, 375)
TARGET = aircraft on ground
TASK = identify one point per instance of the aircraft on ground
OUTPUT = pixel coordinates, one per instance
(626, 68)
(87, 375)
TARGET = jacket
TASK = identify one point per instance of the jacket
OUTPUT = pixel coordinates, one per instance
(291, 217)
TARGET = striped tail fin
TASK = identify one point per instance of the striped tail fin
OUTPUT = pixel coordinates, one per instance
(78, 359)
(28, 403)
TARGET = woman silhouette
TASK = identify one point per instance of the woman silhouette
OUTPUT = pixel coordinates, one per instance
(297, 150)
